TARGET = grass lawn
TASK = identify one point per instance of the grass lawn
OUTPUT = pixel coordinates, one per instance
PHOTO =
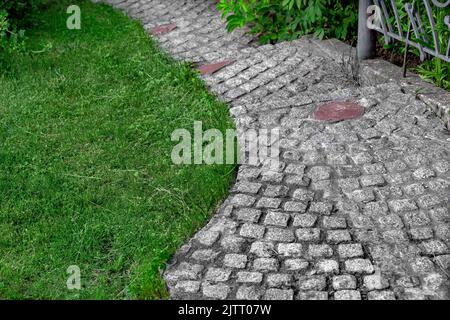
(85, 172)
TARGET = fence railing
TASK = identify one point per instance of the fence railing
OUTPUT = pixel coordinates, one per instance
(421, 24)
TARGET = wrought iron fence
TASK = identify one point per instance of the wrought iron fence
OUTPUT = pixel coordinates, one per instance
(421, 24)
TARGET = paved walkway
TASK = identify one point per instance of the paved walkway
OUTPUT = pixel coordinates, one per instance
(360, 208)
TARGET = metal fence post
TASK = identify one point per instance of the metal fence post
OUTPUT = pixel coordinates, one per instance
(366, 37)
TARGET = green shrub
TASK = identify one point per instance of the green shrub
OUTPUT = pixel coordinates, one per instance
(432, 69)
(11, 42)
(437, 71)
(279, 20)
(19, 12)
(15, 17)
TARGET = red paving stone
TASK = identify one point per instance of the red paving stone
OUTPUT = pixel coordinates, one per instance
(338, 110)
(159, 30)
(211, 68)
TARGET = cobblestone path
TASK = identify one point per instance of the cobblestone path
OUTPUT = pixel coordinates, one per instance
(358, 210)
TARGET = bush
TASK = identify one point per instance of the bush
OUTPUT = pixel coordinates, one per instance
(432, 69)
(15, 16)
(11, 42)
(279, 20)
(19, 12)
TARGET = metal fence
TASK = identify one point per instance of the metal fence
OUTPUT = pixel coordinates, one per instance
(421, 24)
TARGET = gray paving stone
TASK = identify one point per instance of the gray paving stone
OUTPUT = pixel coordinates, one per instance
(429, 201)
(402, 205)
(347, 295)
(308, 234)
(394, 236)
(421, 233)
(312, 295)
(320, 250)
(215, 291)
(233, 260)
(434, 247)
(423, 173)
(272, 176)
(344, 282)
(276, 218)
(442, 166)
(413, 294)
(312, 283)
(415, 189)
(206, 255)
(271, 203)
(327, 266)
(279, 280)
(423, 265)
(374, 168)
(334, 223)
(338, 236)
(416, 219)
(293, 206)
(352, 250)
(217, 274)
(242, 200)
(359, 266)
(279, 294)
(375, 180)
(232, 243)
(362, 158)
(390, 222)
(364, 195)
(185, 271)
(367, 236)
(381, 295)
(248, 293)
(249, 230)
(249, 277)
(319, 173)
(276, 191)
(337, 159)
(263, 249)
(376, 209)
(297, 169)
(280, 235)
(265, 264)
(396, 165)
(304, 220)
(399, 178)
(187, 286)
(248, 214)
(295, 264)
(375, 282)
(303, 195)
(290, 249)
(323, 208)
(207, 238)
(247, 187)
(439, 215)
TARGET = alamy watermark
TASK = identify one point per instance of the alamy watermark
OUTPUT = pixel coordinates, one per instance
(74, 280)
(374, 19)
(252, 147)
(74, 20)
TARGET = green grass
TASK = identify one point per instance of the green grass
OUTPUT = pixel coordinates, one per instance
(85, 172)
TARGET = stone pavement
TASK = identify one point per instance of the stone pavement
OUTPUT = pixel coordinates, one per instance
(358, 209)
